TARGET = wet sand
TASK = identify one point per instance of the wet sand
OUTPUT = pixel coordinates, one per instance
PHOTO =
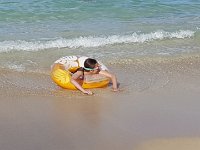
(173, 143)
(158, 108)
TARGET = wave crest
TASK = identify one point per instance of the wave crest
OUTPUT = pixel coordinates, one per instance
(91, 41)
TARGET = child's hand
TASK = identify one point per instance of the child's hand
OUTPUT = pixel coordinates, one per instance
(115, 89)
(88, 92)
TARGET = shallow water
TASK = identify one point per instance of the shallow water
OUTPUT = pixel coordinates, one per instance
(136, 75)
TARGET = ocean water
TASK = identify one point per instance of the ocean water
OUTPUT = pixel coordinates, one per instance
(35, 33)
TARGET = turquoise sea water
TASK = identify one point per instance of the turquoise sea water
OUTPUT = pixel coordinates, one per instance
(37, 32)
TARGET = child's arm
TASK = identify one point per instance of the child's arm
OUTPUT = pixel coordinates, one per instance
(74, 77)
(112, 77)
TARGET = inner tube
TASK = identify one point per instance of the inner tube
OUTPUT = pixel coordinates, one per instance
(63, 68)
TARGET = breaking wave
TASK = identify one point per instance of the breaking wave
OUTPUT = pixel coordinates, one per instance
(91, 41)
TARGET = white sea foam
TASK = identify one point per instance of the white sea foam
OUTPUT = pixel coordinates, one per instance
(15, 67)
(91, 41)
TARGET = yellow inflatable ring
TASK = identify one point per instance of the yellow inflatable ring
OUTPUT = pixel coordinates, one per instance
(63, 68)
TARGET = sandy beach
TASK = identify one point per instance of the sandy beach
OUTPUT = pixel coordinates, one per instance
(157, 109)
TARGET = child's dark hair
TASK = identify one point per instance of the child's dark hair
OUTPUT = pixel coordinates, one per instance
(90, 63)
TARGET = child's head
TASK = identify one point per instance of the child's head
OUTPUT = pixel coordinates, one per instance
(90, 64)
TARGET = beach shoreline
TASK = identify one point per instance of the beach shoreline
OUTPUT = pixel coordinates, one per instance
(159, 99)
(151, 46)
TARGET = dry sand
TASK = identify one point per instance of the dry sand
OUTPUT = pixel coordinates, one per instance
(157, 109)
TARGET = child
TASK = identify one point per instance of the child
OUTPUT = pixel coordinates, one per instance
(91, 67)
